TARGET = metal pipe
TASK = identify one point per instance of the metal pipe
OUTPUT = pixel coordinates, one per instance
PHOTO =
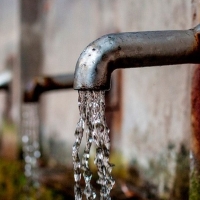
(129, 50)
(5, 80)
(6, 84)
(41, 84)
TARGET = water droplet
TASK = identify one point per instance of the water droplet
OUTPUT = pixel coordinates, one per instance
(100, 127)
(25, 139)
(27, 167)
(77, 175)
(37, 154)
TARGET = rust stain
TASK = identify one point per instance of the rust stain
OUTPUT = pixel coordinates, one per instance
(197, 37)
(118, 114)
(114, 106)
(195, 113)
(194, 16)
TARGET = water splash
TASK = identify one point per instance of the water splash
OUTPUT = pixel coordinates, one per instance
(92, 123)
(30, 142)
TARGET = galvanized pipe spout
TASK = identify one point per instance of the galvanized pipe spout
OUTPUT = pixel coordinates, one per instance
(130, 50)
(37, 86)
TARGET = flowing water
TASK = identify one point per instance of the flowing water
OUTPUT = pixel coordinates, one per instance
(92, 123)
(30, 142)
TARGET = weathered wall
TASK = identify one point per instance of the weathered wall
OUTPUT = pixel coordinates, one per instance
(156, 101)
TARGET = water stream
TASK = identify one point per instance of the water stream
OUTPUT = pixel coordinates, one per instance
(92, 123)
(30, 142)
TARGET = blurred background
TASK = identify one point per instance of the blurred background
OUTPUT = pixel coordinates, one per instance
(148, 110)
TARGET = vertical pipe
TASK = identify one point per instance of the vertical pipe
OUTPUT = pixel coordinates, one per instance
(195, 119)
(31, 39)
(114, 108)
(31, 60)
(195, 139)
(31, 47)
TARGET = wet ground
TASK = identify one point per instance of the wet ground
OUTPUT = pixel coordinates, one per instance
(62, 180)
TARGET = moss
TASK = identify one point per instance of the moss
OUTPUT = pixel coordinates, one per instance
(120, 169)
(13, 182)
(181, 182)
(194, 186)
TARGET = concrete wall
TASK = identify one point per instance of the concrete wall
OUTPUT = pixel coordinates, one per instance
(155, 101)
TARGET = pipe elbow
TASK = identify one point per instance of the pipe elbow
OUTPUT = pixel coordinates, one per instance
(41, 84)
(94, 68)
(32, 91)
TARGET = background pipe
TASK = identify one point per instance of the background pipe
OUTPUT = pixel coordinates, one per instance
(31, 121)
(5, 80)
(6, 84)
(38, 85)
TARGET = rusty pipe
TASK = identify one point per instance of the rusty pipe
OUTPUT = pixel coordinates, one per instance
(130, 50)
(38, 85)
